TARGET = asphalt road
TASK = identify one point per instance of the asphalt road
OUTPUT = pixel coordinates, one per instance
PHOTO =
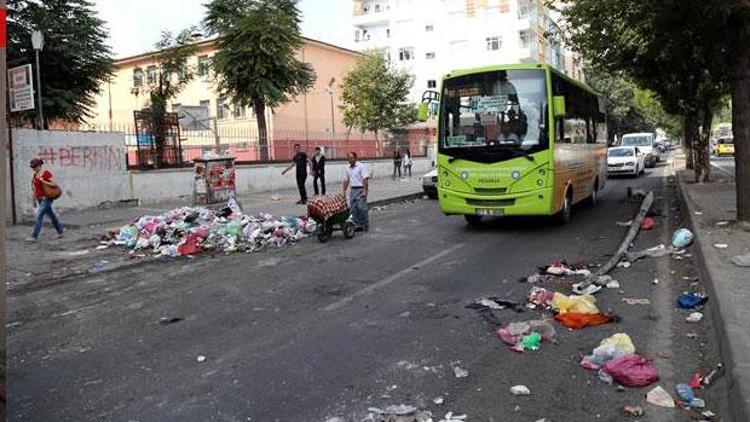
(317, 331)
(724, 165)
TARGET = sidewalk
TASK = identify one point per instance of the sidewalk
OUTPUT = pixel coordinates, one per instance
(711, 209)
(29, 265)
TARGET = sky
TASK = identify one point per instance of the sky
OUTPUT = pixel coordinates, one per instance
(134, 25)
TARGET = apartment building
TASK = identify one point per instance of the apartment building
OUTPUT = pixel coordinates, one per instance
(429, 38)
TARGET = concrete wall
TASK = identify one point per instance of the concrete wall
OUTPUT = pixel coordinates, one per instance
(90, 167)
(154, 186)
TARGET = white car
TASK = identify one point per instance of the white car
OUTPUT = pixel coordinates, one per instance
(429, 183)
(645, 143)
(625, 160)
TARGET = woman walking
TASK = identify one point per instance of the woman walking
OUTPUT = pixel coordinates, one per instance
(396, 163)
(407, 162)
(43, 182)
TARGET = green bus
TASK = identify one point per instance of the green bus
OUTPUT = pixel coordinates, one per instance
(521, 139)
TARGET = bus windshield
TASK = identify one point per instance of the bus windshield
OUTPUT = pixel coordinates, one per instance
(500, 109)
(636, 141)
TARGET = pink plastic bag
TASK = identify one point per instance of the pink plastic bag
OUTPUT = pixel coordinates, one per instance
(632, 371)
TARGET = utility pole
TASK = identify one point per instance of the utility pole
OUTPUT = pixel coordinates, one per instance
(37, 41)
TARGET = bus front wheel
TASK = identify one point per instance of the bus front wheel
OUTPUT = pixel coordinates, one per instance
(473, 220)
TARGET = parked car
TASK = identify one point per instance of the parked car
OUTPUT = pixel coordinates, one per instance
(724, 146)
(645, 143)
(429, 183)
(625, 160)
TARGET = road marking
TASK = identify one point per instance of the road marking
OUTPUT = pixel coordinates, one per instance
(386, 281)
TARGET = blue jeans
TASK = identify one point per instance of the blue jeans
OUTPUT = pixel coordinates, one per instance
(358, 207)
(45, 208)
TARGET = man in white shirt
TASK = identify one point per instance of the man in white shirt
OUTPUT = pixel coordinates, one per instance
(357, 179)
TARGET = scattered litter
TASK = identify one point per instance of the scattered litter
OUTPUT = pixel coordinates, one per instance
(624, 223)
(694, 317)
(655, 282)
(659, 397)
(102, 247)
(167, 321)
(690, 300)
(682, 238)
(720, 245)
(438, 400)
(632, 370)
(520, 390)
(396, 410)
(692, 335)
(722, 223)
(539, 296)
(460, 372)
(636, 301)
(708, 414)
(586, 288)
(450, 417)
(576, 320)
(696, 379)
(685, 393)
(698, 402)
(609, 348)
(275, 198)
(494, 303)
(192, 230)
(605, 377)
(698, 213)
(713, 375)
(647, 224)
(623, 264)
(201, 358)
(634, 411)
(78, 253)
(583, 304)
(515, 333)
(741, 260)
(654, 252)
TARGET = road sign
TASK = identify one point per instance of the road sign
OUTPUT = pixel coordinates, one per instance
(21, 88)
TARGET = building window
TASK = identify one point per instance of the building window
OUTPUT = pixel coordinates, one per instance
(524, 38)
(239, 111)
(493, 43)
(524, 7)
(432, 83)
(377, 8)
(429, 28)
(151, 75)
(222, 109)
(405, 54)
(137, 77)
(203, 65)
(430, 55)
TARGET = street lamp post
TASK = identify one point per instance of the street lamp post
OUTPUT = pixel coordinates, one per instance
(37, 41)
(329, 90)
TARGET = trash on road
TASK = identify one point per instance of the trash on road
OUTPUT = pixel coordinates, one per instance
(516, 334)
(632, 370)
(624, 223)
(78, 253)
(169, 320)
(720, 245)
(635, 411)
(685, 393)
(577, 320)
(659, 397)
(647, 224)
(520, 390)
(460, 372)
(609, 348)
(540, 297)
(494, 303)
(584, 288)
(192, 230)
(636, 301)
(694, 317)
(582, 304)
(690, 300)
(450, 417)
(741, 260)
(708, 414)
(438, 400)
(682, 238)
(624, 264)
(657, 251)
(715, 373)
(201, 358)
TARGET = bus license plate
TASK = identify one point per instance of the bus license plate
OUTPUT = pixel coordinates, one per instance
(486, 211)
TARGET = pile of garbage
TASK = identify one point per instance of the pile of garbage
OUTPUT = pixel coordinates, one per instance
(189, 231)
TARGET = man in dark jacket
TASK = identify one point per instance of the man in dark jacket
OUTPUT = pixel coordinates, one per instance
(319, 171)
(299, 161)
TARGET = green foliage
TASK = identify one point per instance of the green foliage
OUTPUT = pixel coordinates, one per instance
(172, 73)
(75, 60)
(374, 96)
(623, 114)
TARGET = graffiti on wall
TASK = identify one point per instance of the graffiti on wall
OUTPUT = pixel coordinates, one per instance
(99, 157)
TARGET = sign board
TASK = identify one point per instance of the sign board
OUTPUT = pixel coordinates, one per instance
(21, 88)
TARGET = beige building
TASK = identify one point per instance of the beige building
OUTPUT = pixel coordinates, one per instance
(313, 116)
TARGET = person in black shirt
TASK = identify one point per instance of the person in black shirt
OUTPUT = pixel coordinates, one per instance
(318, 163)
(299, 161)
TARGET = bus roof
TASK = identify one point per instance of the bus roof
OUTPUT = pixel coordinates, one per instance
(520, 66)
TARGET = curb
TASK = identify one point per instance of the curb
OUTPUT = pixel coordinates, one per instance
(395, 199)
(731, 349)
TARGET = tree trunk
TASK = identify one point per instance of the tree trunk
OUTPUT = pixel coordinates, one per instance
(701, 155)
(739, 63)
(260, 113)
(689, 130)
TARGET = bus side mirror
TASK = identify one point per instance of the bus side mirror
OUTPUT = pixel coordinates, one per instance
(422, 112)
(558, 106)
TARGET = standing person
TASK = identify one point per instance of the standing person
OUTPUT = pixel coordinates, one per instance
(299, 161)
(407, 162)
(41, 178)
(396, 163)
(319, 170)
(358, 180)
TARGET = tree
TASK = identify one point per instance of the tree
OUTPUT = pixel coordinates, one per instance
(172, 75)
(75, 61)
(623, 113)
(256, 63)
(374, 96)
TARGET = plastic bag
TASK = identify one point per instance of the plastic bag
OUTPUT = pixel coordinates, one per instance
(632, 371)
(682, 238)
(582, 304)
(691, 300)
(577, 320)
(647, 224)
(617, 345)
(513, 333)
